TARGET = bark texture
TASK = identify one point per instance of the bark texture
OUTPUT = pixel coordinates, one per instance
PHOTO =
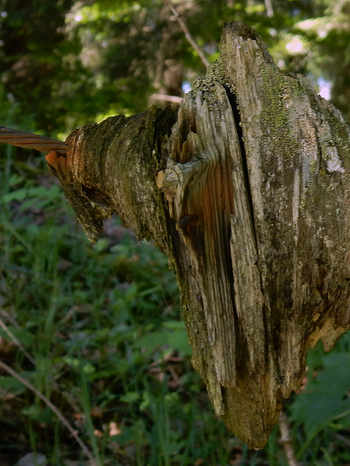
(246, 189)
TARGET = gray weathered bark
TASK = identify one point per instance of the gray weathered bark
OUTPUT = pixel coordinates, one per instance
(246, 189)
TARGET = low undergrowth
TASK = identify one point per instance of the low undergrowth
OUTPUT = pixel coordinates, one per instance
(97, 331)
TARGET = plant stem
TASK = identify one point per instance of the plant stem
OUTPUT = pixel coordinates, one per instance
(286, 440)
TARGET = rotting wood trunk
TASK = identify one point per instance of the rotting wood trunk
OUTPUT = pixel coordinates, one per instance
(246, 189)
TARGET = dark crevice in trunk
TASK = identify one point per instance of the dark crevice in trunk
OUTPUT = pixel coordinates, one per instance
(237, 118)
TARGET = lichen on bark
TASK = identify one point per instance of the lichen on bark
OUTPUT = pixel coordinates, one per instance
(246, 189)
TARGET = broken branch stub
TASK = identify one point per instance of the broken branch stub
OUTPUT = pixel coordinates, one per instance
(246, 189)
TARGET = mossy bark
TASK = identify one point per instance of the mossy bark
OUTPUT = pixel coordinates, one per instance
(246, 189)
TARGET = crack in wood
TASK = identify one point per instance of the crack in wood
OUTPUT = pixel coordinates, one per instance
(237, 119)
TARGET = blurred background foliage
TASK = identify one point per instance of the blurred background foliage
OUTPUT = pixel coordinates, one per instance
(97, 329)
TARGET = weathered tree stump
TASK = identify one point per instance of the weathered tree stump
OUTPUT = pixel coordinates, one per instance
(246, 188)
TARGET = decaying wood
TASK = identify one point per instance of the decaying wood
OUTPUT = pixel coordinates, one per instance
(246, 188)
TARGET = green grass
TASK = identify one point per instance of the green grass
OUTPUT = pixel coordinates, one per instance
(97, 330)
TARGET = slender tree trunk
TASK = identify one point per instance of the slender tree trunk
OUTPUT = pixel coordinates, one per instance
(246, 188)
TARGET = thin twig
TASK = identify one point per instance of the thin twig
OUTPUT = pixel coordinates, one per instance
(286, 440)
(55, 385)
(188, 35)
(9, 317)
(343, 439)
(269, 8)
(60, 416)
(14, 339)
(167, 98)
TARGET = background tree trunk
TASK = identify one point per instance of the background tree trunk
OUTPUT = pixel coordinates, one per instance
(246, 189)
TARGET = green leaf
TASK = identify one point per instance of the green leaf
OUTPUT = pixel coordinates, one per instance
(101, 244)
(173, 336)
(17, 195)
(22, 335)
(326, 396)
(130, 397)
(12, 385)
